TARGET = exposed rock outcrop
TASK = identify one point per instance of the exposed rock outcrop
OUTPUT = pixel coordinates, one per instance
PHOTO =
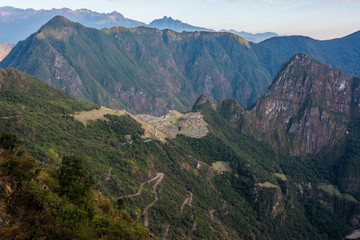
(269, 198)
(307, 108)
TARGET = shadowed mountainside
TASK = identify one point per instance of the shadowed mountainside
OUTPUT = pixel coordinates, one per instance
(152, 71)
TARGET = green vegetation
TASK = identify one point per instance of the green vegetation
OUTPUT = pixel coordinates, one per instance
(170, 69)
(273, 52)
(78, 185)
(38, 203)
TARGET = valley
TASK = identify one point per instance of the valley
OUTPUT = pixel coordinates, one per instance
(142, 133)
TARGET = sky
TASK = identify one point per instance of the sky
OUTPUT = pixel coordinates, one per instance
(320, 19)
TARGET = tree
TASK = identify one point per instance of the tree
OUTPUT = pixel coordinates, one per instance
(9, 141)
(75, 178)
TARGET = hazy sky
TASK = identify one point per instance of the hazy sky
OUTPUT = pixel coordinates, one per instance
(321, 19)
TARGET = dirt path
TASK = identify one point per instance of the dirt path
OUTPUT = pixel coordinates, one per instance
(166, 233)
(354, 235)
(159, 177)
(109, 174)
(108, 177)
(212, 211)
(187, 201)
(217, 221)
(194, 227)
(135, 194)
(9, 117)
(140, 188)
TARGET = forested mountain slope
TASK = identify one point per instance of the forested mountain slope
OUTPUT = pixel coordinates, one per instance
(224, 185)
(152, 71)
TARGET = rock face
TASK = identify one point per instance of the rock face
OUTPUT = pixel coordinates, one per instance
(307, 108)
(269, 198)
(232, 111)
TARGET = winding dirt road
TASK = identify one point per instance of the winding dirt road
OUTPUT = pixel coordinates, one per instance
(108, 177)
(159, 177)
(138, 193)
(166, 233)
(187, 201)
(194, 227)
(216, 220)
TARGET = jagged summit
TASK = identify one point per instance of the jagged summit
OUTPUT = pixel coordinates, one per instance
(203, 99)
(175, 25)
(58, 22)
(309, 101)
(298, 60)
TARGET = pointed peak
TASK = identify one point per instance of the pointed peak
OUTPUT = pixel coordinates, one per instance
(300, 64)
(229, 105)
(203, 100)
(58, 19)
(301, 56)
(167, 18)
(299, 59)
(59, 22)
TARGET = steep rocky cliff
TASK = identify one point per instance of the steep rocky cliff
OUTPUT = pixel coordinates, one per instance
(307, 107)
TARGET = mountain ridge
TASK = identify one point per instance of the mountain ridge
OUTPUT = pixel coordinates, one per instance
(175, 25)
(221, 65)
(253, 37)
(226, 184)
(36, 18)
(144, 54)
(24, 22)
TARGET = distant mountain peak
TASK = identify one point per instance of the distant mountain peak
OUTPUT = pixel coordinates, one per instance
(253, 37)
(170, 18)
(175, 25)
(24, 22)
